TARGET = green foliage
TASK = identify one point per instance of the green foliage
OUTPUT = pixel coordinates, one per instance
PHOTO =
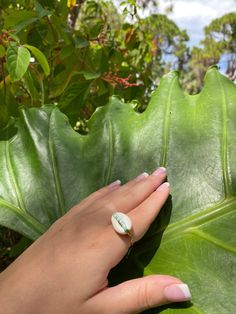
(124, 54)
(46, 168)
(218, 45)
(41, 58)
(222, 32)
(11, 246)
(18, 59)
(88, 51)
(92, 51)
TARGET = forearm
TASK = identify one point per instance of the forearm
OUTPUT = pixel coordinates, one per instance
(13, 295)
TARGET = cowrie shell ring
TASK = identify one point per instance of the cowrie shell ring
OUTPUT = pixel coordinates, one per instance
(122, 224)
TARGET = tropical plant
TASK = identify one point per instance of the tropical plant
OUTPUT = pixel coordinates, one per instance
(92, 53)
(46, 168)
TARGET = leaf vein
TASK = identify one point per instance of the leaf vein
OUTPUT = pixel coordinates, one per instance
(201, 218)
(224, 151)
(211, 239)
(58, 187)
(29, 220)
(110, 153)
(13, 179)
(166, 126)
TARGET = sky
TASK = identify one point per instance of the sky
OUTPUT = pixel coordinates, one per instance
(193, 15)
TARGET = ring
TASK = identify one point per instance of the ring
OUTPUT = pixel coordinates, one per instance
(122, 224)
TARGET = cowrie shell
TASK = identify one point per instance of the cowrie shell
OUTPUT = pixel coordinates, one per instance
(121, 223)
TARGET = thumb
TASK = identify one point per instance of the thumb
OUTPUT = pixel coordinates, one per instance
(137, 295)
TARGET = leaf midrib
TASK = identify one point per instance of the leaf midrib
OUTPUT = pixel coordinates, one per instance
(59, 191)
(110, 152)
(166, 127)
(13, 178)
(199, 219)
(186, 225)
(29, 220)
(224, 150)
(213, 240)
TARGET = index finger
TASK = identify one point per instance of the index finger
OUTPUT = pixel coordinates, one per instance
(125, 199)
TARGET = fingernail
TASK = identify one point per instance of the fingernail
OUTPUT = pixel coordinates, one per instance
(163, 186)
(141, 176)
(177, 292)
(114, 185)
(159, 171)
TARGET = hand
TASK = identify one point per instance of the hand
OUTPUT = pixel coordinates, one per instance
(66, 269)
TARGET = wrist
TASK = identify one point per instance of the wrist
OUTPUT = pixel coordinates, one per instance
(17, 293)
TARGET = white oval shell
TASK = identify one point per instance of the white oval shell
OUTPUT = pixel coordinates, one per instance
(121, 223)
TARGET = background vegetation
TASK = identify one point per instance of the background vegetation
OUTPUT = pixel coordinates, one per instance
(76, 54)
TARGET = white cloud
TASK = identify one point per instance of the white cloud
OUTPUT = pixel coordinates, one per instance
(196, 14)
(210, 9)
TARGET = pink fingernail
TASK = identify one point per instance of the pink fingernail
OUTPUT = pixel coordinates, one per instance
(114, 185)
(163, 186)
(141, 176)
(159, 171)
(177, 292)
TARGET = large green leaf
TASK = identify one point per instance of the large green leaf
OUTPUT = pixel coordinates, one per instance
(47, 167)
(18, 59)
(40, 57)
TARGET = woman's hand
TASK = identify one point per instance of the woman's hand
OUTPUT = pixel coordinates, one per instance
(66, 269)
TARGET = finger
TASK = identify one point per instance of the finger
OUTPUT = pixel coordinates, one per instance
(125, 199)
(112, 187)
(95, 196)
(137, 295)
(143, 215)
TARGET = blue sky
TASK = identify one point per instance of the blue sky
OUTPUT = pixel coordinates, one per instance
(193, 15)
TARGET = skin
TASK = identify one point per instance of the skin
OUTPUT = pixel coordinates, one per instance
(66, 269)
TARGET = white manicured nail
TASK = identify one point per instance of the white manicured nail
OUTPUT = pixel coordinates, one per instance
(114, 185)
(159, 171)
(142, 176)
(164, 186)
(177, 292)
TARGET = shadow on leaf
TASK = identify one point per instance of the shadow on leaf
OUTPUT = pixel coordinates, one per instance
(8, 132)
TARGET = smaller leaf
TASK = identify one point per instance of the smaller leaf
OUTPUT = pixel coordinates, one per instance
(81, 42)
(18, 19)
(31, 88)
(41, 12)
(40, 57)
(18, 59)
(20, 247)
(90, 75)
(76, 93)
